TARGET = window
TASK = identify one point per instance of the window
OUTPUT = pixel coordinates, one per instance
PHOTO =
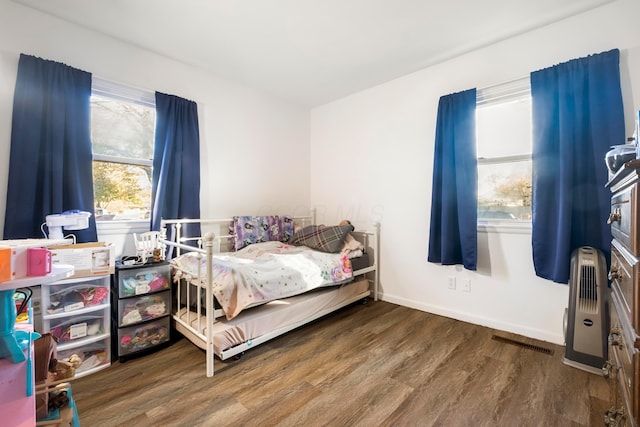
(122, 135)
(503, 138)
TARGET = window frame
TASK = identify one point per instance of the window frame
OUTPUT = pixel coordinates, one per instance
(123, 160)
(119, 92)
(492, 95)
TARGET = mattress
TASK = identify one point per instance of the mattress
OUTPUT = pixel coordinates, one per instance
(360, 262)
(266, 271)
(277, 315)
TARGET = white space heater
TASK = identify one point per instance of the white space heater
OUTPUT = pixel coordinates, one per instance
(586, 324)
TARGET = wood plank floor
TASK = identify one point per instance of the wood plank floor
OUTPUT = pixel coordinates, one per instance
(377, 364)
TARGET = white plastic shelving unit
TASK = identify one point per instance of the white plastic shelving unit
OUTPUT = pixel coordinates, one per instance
(77, 312)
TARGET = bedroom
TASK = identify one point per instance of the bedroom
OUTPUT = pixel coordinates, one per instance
(385, 132)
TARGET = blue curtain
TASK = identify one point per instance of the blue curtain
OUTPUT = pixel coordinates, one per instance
(577, 115)
(453, 229)
(50, 169)
(176, 162)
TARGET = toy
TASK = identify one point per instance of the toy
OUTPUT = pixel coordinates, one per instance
(63, 369)
(57, 399)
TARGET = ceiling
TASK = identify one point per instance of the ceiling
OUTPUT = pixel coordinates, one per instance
(310, 52)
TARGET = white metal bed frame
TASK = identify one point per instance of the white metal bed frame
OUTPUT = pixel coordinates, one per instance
(202, 335)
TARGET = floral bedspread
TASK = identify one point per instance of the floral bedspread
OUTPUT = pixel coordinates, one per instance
(267, 271)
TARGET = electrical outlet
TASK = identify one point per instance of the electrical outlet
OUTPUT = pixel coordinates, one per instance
(466, 285)
(452, 283)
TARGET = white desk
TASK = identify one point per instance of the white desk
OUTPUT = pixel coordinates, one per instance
(58, 272)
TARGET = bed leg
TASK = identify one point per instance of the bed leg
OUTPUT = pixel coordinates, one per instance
(210, 316)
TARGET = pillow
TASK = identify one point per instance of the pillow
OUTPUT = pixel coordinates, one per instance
(320, 238)
(286, 228)
(254, 229)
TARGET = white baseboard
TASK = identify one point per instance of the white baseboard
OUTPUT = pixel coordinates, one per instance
(478, 320)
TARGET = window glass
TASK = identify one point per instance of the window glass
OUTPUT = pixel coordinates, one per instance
(504, 129)
(122, 129)
(504, 190)
(504, 160)
(121, 191)
(122, 135)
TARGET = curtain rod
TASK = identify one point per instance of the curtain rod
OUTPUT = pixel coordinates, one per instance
(505, 83)
(503, 92)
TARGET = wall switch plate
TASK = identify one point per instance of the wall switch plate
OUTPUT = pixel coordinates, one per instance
(452, 283)
(466, 285)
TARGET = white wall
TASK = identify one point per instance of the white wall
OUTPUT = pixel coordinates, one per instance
(384, 137)
(251, 144)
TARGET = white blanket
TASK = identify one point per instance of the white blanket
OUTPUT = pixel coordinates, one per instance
(268, 271)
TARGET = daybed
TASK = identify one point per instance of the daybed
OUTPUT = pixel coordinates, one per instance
(263, 279)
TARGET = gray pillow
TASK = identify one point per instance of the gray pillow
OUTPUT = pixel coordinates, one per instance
(320, 238)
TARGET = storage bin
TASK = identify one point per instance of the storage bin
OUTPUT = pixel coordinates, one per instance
(144, 280)
(76, 295)
(67, 329)
(140, 337)
(93, 356)
(140, 309)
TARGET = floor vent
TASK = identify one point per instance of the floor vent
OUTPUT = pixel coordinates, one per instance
(533, 347)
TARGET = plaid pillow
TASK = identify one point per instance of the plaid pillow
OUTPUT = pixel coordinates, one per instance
(325, 239)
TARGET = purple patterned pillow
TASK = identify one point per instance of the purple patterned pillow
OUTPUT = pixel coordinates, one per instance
(286, 228)
(255, 229)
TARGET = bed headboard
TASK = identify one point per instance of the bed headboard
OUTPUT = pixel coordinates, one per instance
(246, 230)
(226, 230)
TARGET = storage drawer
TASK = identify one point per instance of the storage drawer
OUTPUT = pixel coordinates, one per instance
(624, 275)
(75, 295)
(67, 329)
(147, 307)
(93, 356)
(624, 218)
(623, 352)
(139, 281)
(140, 337)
